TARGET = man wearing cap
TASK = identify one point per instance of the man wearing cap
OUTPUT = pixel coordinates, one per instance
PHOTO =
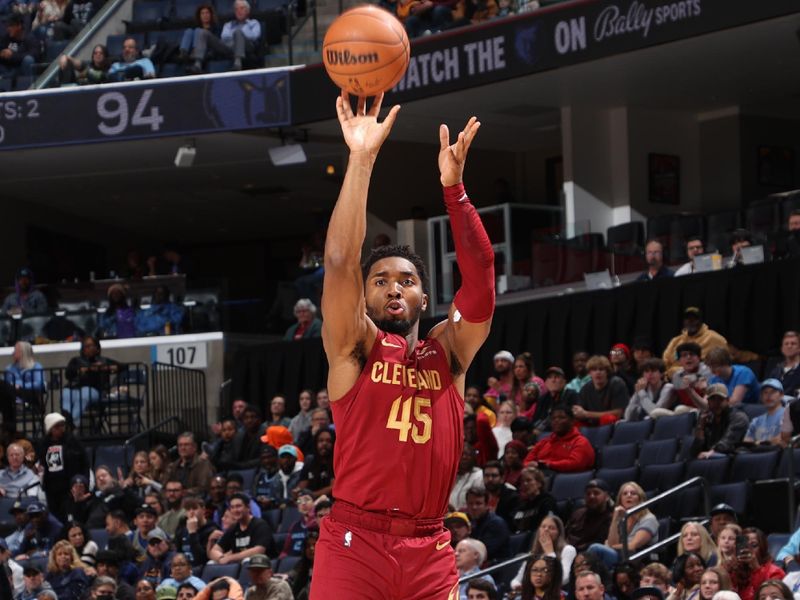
(694, 330)
(589, 524)
(262, 481)
(565, 450)
(190, 469)
(40, 533)
(145, 522)
(108, 567)
(81, 501)
(24, 299)
(17, 479)
(192, 535)
(265, 586)
(620, 357)
(654, 257)
(500, 386)
(157, 558)
(555, 392)
(34, 583)
(720, 429)
(62, 456)
(722, 514)
(459, 526)
(20, 516)
(248, 536)
(739, 380)
(765, 429)
(288, 476)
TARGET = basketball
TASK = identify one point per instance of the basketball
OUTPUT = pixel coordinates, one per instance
(366, 51)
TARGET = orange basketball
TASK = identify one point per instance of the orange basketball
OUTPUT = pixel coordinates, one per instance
(366, 50)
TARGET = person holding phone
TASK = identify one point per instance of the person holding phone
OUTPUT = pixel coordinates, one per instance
(753, 565)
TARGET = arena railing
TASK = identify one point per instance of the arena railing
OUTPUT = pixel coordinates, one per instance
(792, 477)
(181, 392)
(623, 523)
(311, 13)
(131, 443)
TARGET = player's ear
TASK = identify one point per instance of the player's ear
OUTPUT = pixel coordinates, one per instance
(424, 302)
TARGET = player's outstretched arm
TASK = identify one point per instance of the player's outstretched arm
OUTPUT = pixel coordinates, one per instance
(470, 315)
(345, 323)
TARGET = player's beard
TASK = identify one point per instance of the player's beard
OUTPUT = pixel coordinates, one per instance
(396, 326)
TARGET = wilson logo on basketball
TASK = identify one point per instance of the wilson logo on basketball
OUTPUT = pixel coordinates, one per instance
(345, 57)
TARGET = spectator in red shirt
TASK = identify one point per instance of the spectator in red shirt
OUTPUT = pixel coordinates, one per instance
(753, 565)
(565, 450)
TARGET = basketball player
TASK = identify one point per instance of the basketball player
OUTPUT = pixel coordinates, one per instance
(397, 400)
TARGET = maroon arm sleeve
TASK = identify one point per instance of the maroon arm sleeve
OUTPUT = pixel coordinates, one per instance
(475, 256)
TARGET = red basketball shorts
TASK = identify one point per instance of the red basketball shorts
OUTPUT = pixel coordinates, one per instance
(352, 562)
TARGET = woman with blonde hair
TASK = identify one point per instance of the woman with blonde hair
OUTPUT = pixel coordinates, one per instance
(24, 379)
(642, 526)
(65, 572)
(714, 579)
(506, 413)
(695, 538)
(726, 544)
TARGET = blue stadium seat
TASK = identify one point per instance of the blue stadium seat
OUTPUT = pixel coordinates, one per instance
(269, 5)
(214, 571)
(219, 66)
(100, 537)
(783, 465)
(53, 48)
(148, 12)
(273, 517)
(569, 486)
(626, 432)
(290, 515)
(23, 82)
(617, 477)
(776, 541)
(113, 457)
(519, 543)
(685, 453)
(673, 427)
(280, 540)
(171, 70)
(618, 457)
(736, 495)
(754, 466)
(660, 478)
(168, 36)
(287, 563)
(597, 436)
(247, 476)
(658, 452)
(753, 410)
(184, 10)
(713, 469)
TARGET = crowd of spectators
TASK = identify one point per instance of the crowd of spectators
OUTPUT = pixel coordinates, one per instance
(222, 502)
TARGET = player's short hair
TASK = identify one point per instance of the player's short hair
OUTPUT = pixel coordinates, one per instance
(403, 252)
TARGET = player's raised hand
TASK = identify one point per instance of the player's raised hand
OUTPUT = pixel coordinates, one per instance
(361, 129)
(452, 157)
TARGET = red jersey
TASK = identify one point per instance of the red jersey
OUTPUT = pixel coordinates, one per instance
(399, 431)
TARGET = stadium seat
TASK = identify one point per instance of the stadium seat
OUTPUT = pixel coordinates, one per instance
(184, 11)
(753, 466)
(113, 457)
(618, 457)
(776, 541)
(569, 486)
(213, 571)
(753, 410)
(783, 465)
(519, 543)
(287, 563)
(23, 82)
(597, 436)
(763, 217)
(673, 427)
(147, 14)
(273, 517)
(660, 478)
(53, 48)
(626, 432)
(615, 478)
(626, 238)
(681, 229)
(248, 475)
(289, 515)
(713, 469)
(100, 537)
(736, 495)
(280, 540)
(657, 451)
(171, 70)
(719, 227)
(685, 453)
(219, 66)
(685, 504)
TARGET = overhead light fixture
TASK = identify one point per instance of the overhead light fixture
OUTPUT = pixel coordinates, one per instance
(186, 155)
(290, 154)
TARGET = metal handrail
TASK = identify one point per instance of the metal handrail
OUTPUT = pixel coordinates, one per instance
(310, 14)
(128, 443)
(623, 523)
(505, 563)
(79, 41)
(792, 508)
(662, 544)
